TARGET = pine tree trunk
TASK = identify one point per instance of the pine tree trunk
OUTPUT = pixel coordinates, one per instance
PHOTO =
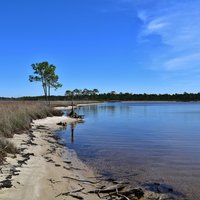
(49, 94)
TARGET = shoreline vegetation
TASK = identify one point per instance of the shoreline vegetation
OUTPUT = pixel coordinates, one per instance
(37, 166)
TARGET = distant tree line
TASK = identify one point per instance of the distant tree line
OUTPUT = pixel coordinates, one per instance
(114, 96)
(87, 94)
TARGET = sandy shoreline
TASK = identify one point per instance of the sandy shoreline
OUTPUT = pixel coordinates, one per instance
(38, 171)
(45, 170)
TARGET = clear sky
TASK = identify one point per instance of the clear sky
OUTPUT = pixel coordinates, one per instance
(139, 46)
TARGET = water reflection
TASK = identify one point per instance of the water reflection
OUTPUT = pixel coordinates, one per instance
(111, 109)
(67, 133)
(92, 109)
(72, 132)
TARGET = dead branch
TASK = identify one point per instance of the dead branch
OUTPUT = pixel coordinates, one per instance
(70, 193)
(121, 195)
(108, 189)
(80, 180)
(76, 196)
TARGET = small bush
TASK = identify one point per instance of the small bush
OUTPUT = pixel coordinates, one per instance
(7, 146)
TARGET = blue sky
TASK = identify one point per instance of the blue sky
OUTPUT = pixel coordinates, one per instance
(139, 46)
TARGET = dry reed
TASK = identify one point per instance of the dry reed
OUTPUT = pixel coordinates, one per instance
(16, 117)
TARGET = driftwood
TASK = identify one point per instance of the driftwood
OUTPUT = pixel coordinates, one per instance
(76, 196)
(120, 191)
(108, 189)
(121, 195)
(69, 168)
(70, 193)
(80, 180)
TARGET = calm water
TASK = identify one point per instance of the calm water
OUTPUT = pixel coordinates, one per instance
(141, 142)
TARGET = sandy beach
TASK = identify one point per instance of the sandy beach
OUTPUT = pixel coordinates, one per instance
(46, 170)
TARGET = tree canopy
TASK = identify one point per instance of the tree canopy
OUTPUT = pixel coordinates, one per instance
(45, 73)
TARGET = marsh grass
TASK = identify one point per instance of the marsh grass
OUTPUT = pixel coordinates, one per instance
(15, 117)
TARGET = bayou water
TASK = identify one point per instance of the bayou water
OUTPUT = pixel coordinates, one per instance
(141, 143)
